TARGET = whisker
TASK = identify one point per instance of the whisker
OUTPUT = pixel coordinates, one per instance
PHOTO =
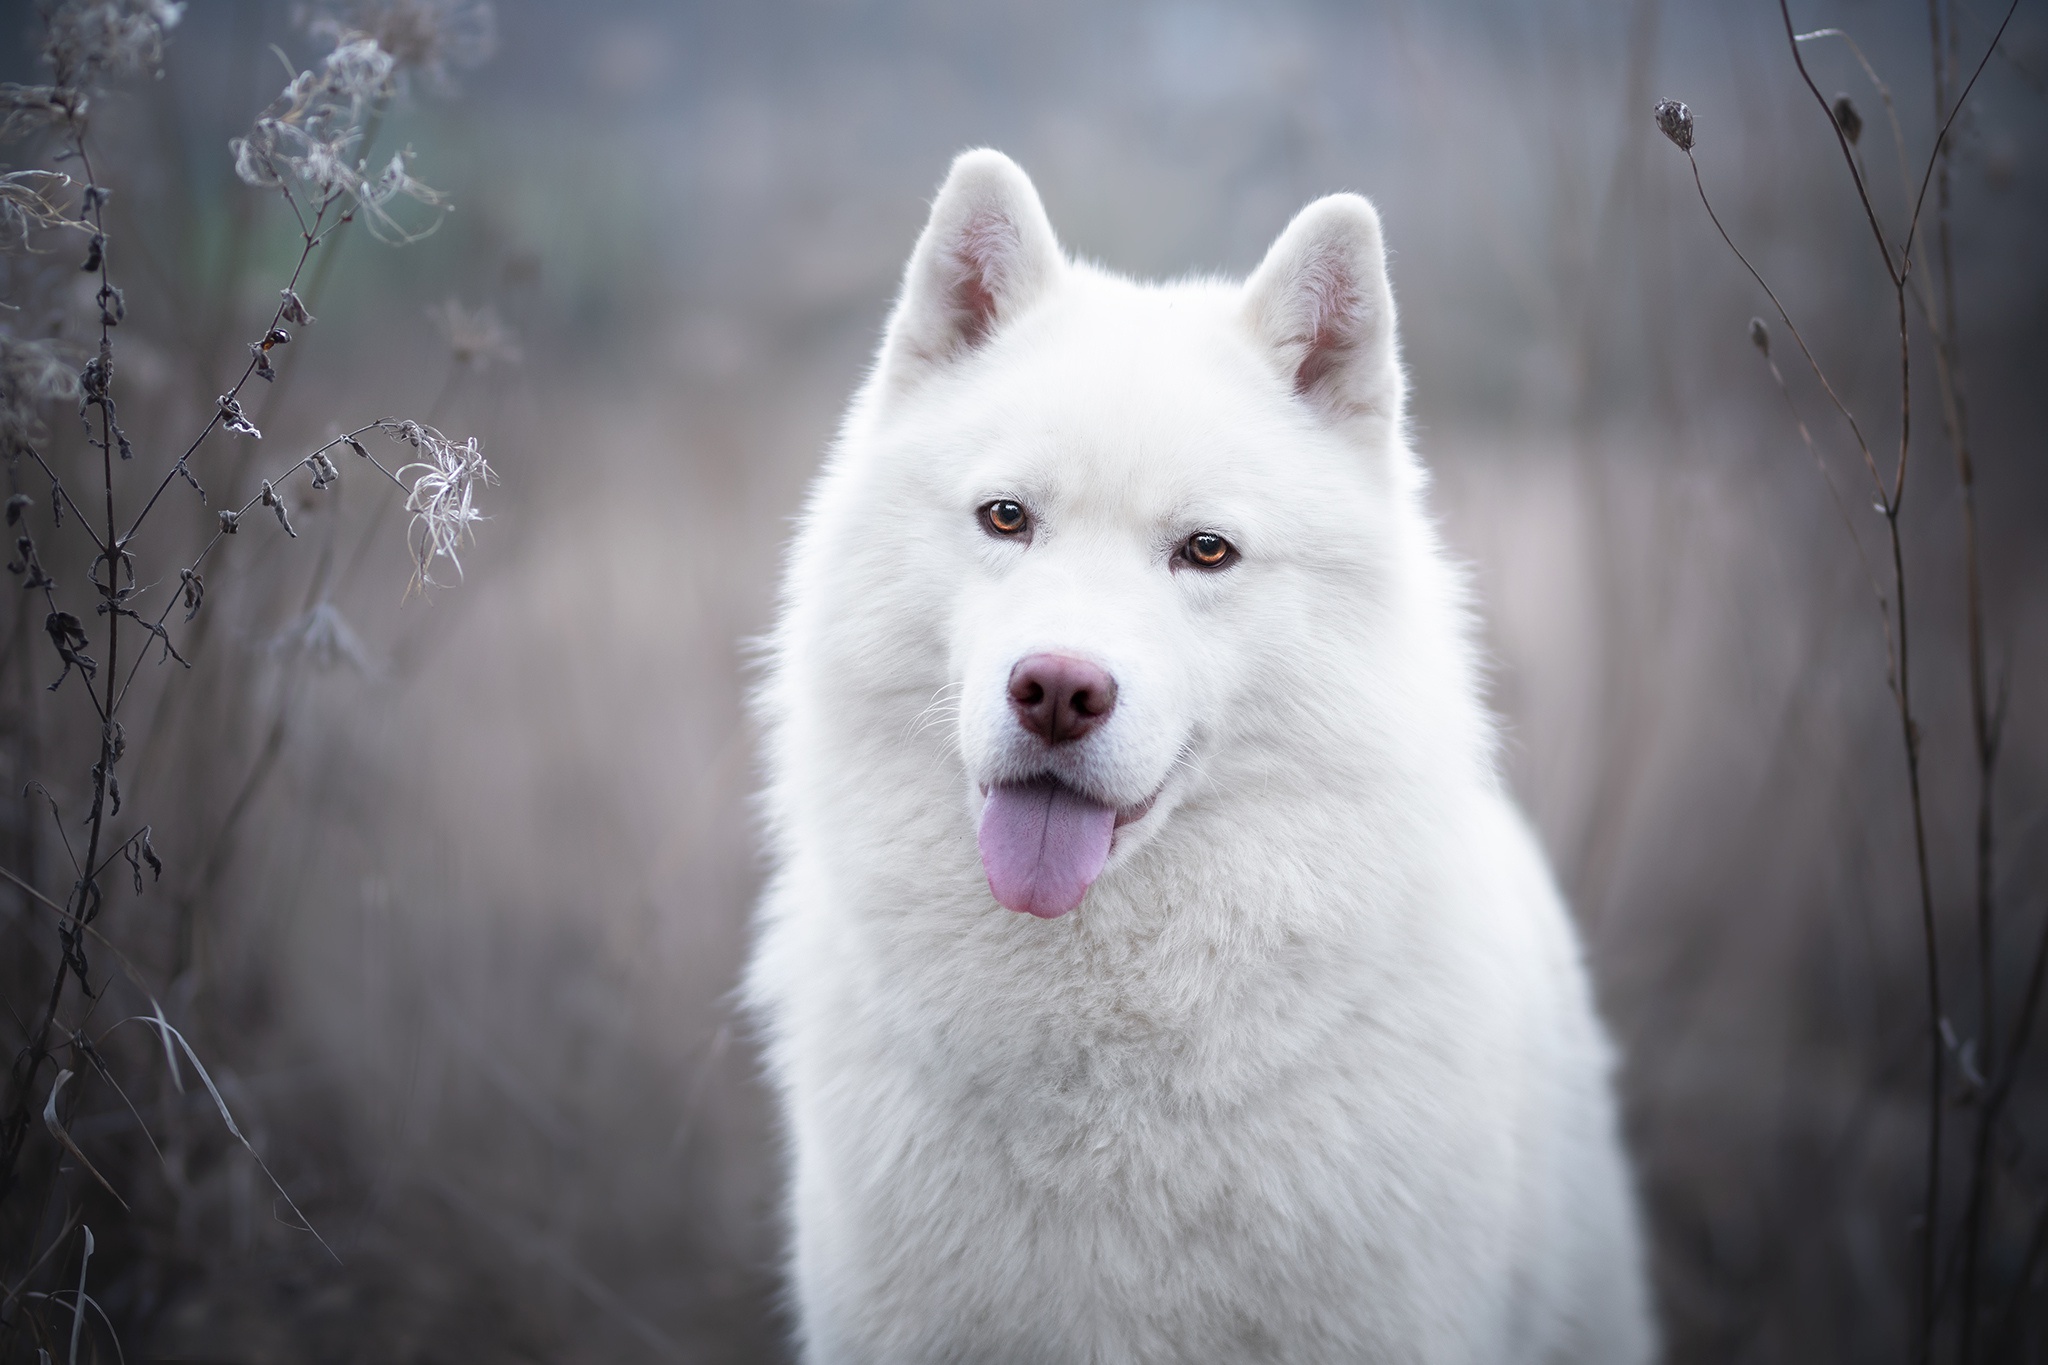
(939, 708)
(1186, 759)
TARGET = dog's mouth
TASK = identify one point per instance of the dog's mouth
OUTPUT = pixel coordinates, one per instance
(1043, 843)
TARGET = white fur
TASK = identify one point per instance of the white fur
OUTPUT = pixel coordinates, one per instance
(1313, 1073)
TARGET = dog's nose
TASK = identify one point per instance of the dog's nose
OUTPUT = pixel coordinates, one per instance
(1060, 698)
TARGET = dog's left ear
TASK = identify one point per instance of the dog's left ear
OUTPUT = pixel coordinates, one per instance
(987, 254)
(1320, 303)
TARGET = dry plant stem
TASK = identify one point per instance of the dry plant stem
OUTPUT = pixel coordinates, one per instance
(1884, 94)
(216, 863)
(1835, 495)
(1900, 679)
(1984, 726)
(325, 194)
(1899, 272)
(207, 549)
(1910, 730)
(1893, 270)
(2009, 1318)
(84, 898)
(1869, 460)
(58, 490)
(316, 287)
(1991, 1108)
(312, 236)
(112, 554)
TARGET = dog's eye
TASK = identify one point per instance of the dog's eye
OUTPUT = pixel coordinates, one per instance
(1004, 518)
(1207, 550)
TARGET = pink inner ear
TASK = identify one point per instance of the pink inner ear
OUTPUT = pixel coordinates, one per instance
(981, 258)
(1333, 313)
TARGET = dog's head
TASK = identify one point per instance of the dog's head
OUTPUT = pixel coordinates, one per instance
(1137, 515)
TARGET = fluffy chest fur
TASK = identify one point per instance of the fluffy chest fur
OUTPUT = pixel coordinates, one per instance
(1140, 1137)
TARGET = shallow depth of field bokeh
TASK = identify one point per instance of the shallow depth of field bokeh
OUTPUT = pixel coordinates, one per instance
(464, 968)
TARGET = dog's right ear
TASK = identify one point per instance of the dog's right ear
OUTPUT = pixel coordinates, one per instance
(987, 254)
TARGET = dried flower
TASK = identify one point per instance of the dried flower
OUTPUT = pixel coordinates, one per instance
(32, 373)
(194, 588)
(87, 41)
(311, 135)
(431, 37)
(1674, 120)
(67, 632)
(476, 339)
(325, 640)
(25, 107)
(96, 376)
(28, 199)
(1846, 118)
(443, 494)
(28, 566)
(138, 851)
(294, 309)
(1760, 336)
(231, 417)
(324, 472)
(271, 499)
(229, 521)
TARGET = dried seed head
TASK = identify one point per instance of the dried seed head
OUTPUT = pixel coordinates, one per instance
(295, 309)
(325, 640)
(432, 37)
(229, 521)
(476, 339)
(25, 107)
(95, 377)
(443, 494)
(89, 40)
(1674, 120)
(232, 418)
(1846, 118)
(313, 135)
(1760, 336)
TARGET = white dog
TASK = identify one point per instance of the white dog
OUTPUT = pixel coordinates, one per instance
(1118, 605)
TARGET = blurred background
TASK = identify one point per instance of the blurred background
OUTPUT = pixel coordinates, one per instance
(456, 886)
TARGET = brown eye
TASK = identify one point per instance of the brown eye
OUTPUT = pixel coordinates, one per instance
(1004, 518)
(1207, 550)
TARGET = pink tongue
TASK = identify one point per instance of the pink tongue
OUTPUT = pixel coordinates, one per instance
(1042, 843)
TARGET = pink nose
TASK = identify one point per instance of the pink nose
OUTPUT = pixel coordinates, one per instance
(1060, 698)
